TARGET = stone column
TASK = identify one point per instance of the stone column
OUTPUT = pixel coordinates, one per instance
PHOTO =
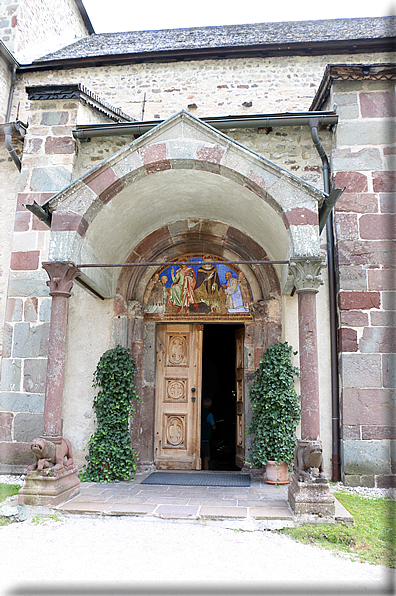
(60, 282)
(309, 495)
(53, 478)
(306, 271)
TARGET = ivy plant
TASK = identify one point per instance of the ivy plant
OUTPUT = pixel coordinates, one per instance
(111, 456)
(275, 406)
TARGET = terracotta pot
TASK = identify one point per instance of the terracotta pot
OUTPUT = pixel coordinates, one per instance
(277, 474)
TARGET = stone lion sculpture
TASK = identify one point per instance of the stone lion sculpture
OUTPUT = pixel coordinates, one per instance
(53, 458)
(308, 461)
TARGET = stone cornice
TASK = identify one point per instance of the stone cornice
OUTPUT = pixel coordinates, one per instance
(351, 72)
(77, 91)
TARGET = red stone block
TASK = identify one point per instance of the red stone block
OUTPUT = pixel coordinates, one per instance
(380, 104)
(63, 221)
(379, 226)
(354, 318)
(153, 153)
(366, 406)
(384, 279)
(370, 433)
(358, 203)
(347, 340)
(352, 181)
(27, 198)
(369, 252)
(25, 261)
(210, 154)
(6, 419)
(301, 216)
(120, 307)
(384, 181)
(38, 225)
(22, 221)
(16, 453)
(350, 432)
(359, 300)
(59, 145)
(104, 182)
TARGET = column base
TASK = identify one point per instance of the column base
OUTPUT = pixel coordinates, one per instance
(49, 491)
(311, 498)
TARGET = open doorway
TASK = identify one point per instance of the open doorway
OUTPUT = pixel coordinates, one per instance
(219, 384)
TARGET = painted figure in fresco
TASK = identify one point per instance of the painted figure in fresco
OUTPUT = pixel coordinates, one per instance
(208, 286)
(234, 301)
(182, 288)
(158, 294)
(243, 284)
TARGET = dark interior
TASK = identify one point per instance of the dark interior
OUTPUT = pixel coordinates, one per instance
(218, 383)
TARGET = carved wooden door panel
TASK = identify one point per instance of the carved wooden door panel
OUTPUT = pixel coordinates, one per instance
(240, 397)
(178, 397)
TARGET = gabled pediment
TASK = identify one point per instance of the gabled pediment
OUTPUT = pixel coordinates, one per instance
(182, 169)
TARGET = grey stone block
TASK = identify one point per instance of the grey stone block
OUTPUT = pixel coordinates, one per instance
(361, 370)
(50, 179)
(353, 278)
(10, 374)
(21, 402)
(45, 310)
(389, 370)
(388, 300)
(28, 284)
(347, 160)
(30, 341)
(365, 133)
(34, 375)
(366, 457)
(7, 340)
(28, 427)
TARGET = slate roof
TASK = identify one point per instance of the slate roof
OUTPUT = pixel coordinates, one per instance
(230, 36)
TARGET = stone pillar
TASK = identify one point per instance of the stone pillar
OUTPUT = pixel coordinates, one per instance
(309, 494)
(60, 283)
(306, 271)
(53, 478)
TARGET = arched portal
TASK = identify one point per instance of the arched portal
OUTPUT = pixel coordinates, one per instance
(183, 189)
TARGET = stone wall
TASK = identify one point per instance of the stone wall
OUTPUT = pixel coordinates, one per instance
(216, 87)
(27, 24)
(47, 166)
(363, 161)
(5, 84)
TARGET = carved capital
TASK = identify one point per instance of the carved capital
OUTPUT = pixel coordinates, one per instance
(136, 309)
(61, 276)
(306, 273)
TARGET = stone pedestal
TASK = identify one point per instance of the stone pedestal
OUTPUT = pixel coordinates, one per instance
(311, 498)
(49, 491)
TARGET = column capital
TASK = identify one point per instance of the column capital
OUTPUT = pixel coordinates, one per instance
(61, 275)
(306, 273)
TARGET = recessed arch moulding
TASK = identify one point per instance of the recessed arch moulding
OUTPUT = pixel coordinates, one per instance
(183, 182)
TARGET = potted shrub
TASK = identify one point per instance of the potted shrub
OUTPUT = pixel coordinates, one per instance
(276, 413)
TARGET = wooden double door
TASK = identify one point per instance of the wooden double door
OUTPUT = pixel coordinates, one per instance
(177, 440)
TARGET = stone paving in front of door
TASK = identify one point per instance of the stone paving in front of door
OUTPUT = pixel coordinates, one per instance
(260, 506)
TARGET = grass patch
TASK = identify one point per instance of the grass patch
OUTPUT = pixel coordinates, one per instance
(371, 540)
(8, 490)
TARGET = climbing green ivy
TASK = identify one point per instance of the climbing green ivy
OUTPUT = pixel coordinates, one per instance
(276, 407)
(110, 454)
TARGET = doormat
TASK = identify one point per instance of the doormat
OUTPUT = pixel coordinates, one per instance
(197, 479)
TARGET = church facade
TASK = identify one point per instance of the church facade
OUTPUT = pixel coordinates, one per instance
(197, 196)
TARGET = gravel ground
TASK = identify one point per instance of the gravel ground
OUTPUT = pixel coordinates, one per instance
(75, 555)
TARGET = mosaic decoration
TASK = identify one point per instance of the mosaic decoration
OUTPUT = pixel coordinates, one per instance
(198, 290)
